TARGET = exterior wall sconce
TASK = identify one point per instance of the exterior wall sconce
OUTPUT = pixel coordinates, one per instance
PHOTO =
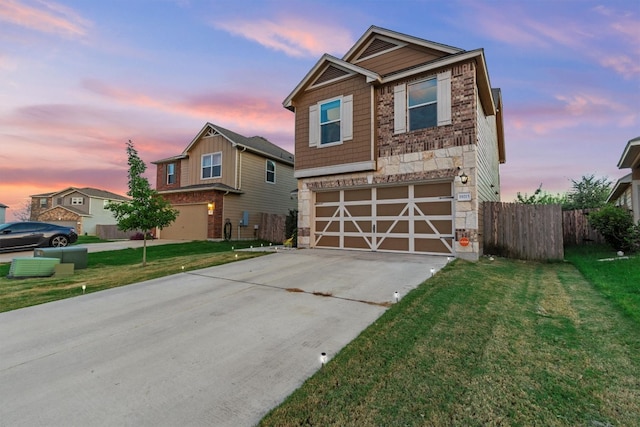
(211, 206)
(464, 178)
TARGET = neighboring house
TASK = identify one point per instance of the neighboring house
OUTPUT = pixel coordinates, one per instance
(3, 210)
(626, 191)
(221, 178)
(82, 208)
(382, 137)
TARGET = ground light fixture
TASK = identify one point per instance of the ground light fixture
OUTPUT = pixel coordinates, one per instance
(396, 296)
(84, 288)
(323, 358)
(433, 271)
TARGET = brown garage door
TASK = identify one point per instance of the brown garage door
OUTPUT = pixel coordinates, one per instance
(191, 224)
(411, 218)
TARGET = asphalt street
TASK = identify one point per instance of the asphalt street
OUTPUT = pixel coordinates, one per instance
(218, 346)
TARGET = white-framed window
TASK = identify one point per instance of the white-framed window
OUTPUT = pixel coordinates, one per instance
(331, 121)
(271, 172)
(422, 104)
(171, 173)
(43, 202)
(211, 165)
(76, 201)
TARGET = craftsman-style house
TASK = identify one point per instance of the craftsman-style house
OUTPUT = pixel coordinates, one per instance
(397, 144)
(81, 208)
(221, 184)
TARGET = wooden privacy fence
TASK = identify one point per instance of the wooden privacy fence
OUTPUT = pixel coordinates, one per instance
(272, 227)
(576, 228)
(112, 232)
(521, 231)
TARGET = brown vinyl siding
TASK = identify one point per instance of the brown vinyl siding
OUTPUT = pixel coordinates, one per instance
(399, 59)
(356, 150)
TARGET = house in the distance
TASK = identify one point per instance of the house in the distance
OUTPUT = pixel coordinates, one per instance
(626, 191)
(397, 145)
(222, 182)
(82, 208)
(3, 211)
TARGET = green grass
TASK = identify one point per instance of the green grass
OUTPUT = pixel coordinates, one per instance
(617, 279)
(489, 343)
(105, 270)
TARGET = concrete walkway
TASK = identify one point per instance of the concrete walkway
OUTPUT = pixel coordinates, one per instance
(218, 346)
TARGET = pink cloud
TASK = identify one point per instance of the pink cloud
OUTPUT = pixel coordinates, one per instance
(48, 17)
(238, 111)
(294, 36)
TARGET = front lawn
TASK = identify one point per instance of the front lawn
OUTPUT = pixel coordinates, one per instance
(118, 268)
(500, 342)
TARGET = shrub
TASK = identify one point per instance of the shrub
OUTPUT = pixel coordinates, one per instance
(616, 226)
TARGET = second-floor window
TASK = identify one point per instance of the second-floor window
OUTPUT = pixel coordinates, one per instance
(43, 203)
(331, 121)
(171, 173)
(76, 201)
(212, 165)
(271, 171)
(423, 100)
(422, 104)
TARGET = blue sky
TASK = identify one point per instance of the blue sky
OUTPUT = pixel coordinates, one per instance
(79, 78)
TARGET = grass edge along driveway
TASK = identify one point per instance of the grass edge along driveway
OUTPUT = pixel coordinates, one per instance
(499, 342)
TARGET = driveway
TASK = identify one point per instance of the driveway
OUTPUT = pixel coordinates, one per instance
(218, 346)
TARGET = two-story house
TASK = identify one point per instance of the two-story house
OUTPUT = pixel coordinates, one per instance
(397, 145)
(81, 208)
(626, 191)
(222, 182)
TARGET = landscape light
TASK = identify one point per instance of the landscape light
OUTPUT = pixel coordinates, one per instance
(323, 358)
(396, 296)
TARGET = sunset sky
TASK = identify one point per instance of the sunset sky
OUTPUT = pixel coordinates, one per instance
(79, 78)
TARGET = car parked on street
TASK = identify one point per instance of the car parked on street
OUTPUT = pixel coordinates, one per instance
(34, 234)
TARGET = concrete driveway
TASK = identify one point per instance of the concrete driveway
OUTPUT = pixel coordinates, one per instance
(218, 346)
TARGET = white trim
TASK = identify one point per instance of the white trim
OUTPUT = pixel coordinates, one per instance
(336, 169)
(212, 165)
(398, 45)
(266, 171)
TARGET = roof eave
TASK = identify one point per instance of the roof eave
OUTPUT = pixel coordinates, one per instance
(631, 155)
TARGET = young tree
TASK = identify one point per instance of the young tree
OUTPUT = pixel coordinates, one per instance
(146, 210)
(24, 212)
(588, 193)
(540, 197)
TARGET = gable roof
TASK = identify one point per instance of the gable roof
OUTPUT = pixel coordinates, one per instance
(324, 61)
(87, 191)
(619, 188)
(377, 32)
(451, 55)
(255, 144)
(631, 155)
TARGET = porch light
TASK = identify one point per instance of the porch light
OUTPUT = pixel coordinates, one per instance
(464, 178)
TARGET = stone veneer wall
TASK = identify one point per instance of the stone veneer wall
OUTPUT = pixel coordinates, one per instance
(437, 165)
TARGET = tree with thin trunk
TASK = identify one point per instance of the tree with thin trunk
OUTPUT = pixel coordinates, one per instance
(147, 210)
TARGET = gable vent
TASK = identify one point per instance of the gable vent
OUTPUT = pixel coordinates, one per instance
(211, 132)
(330, 73)
(375, 47)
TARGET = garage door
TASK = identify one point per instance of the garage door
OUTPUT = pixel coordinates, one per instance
(191, 224)
(411, 218)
